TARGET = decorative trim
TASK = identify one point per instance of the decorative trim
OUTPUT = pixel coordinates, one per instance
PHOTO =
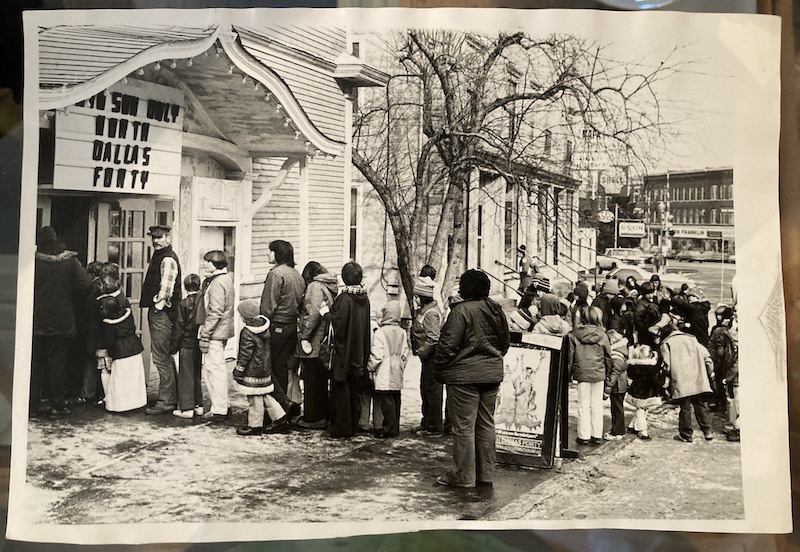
(69, 95)
(283, 94)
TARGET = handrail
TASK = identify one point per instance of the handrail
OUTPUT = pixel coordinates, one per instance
(581, 266)
(550, 266)
(499, 280)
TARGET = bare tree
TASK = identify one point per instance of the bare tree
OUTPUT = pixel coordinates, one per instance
(457, 102)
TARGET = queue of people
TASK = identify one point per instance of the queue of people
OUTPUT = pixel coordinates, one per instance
(637, 343)
(641, 344)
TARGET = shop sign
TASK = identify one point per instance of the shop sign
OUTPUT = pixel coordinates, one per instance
(714, 234)
(605, 216)
(631, 230)
(690, 233)
(126, 139)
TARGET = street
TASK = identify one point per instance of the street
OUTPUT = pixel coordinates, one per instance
(713, 278)
(100, 468)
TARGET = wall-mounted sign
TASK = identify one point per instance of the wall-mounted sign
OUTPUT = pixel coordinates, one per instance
(630, 229)
(605, 216)
(126, 139)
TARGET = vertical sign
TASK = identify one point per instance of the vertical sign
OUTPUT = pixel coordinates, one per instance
(126, 139)
(526, 413)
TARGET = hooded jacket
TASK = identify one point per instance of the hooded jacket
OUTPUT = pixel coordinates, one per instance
(312, 326)
(617, 379)
(253, 372)
(389, 354)
(59, 284)
(425, 329)
(690, 366)
(550, 322)
(472, 344)
(351, 333)
(589, 354)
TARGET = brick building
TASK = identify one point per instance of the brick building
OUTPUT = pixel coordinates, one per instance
(690, 210)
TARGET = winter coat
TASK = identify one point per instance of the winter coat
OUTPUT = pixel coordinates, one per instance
(101, 337)
(589, 354)
(215, 307)
(472, 344)
(59, 284)
(312, 327)
(253, 372)
(646, 377)
(282, 294)
(119, 336)
(425, 329)
(184, 329)
(696, 315)
(603, 302)
(724, 349)
(389, 354)
(617, 379)
(350, 318)
(645, 314)
(689, 363)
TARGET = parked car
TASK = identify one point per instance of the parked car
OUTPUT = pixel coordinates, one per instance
(670, 280)
(732, 258)
(616, 256)
(713, 256)
(689, 256)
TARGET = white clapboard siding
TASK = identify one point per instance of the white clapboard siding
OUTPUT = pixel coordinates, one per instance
(279, 219)
(313, 85)
(326, 42)
(326, 191)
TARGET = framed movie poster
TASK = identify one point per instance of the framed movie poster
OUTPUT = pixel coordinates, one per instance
(526, 415)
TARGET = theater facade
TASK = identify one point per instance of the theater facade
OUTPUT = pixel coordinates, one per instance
(233, 135)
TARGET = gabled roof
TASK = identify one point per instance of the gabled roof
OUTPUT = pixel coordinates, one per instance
(78, 61)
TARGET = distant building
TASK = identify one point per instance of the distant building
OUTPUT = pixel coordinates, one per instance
(690, 210)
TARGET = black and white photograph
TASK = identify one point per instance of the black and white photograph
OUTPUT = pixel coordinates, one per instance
(293, 274)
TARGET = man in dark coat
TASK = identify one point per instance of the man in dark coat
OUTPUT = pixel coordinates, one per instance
(351, 348)
(60, 283)
(469, 360)
(645, 314)
(161, 293)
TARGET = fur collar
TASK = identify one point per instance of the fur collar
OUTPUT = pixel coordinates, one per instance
(118, 320)
(63, 256)
(261, 328)
(112, 294)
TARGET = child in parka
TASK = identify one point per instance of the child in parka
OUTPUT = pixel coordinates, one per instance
(616, 384)
(253, 373)
(387, 361)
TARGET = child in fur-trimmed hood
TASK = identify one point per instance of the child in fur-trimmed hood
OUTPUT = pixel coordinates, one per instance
(616, 384)
(253, 373)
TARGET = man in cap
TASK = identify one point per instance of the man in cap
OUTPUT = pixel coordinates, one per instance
(645, 315)
(425, 328)
(161, 294)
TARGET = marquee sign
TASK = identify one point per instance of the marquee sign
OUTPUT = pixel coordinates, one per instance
(126, 139)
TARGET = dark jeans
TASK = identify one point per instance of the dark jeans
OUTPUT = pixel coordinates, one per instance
(432, 392)
(282, 346)
(344, 418)
(48, 370)
(390, 407)
(618, 414)
(92, 389)
(190, 390)
(472, 415)
(700, 404)
(315, 395)
(160, 330)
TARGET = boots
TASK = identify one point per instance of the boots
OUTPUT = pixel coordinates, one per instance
(278, 426)
(733, 436)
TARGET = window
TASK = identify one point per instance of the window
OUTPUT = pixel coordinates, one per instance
(714, 191)
(548, 142)
(713, 216)
(353, 222)
(480, 234)
(568, 152)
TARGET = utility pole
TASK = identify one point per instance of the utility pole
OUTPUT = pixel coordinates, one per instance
(616, 223)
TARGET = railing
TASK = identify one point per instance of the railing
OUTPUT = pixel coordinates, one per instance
(517, 291)
(534, 257)
(581, 266)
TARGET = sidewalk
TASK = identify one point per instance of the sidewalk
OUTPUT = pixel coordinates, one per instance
(97, 468)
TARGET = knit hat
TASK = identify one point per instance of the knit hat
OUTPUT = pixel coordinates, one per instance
(724, 312)
(647, 287)
(521, 319)
(582, 290)
(696, 294)
(655, 278)
(549, 305)
(542, 283)
(249, 309)
(610, 286)
(424, 287)
(46, 235)
(616, 304)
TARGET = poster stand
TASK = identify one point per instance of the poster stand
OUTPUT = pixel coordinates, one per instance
(532, 408)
